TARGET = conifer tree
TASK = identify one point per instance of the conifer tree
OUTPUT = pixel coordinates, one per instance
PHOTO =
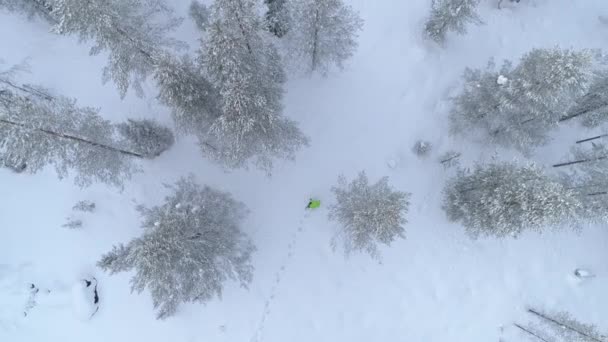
(518, 106)
(246, 69)
(504, 199)
(191, 245)
(559, 327)
(146, 137)
(323, 33)
(38, 129)
(369, 214)
(277, 17)
(451, 15)
(592, 108)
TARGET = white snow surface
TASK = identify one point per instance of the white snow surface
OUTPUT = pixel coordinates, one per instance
(436, 285)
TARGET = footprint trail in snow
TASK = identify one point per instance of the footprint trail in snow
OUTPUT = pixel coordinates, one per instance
(257, 336)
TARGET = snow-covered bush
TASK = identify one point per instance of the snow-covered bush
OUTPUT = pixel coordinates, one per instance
(73, 223)
(450, 159)
(322, 34)
(504, 199)
(84, 206)
(147, 137)
(518, 106)
(422, 148)
(191, 245)
(368, 214)
(450, 15)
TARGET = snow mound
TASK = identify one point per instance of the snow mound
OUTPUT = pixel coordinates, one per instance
(85, 300)
(502, 80)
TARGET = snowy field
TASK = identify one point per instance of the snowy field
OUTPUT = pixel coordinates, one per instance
(436, 285)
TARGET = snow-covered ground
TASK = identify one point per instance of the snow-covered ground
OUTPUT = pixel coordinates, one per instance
(437, 285)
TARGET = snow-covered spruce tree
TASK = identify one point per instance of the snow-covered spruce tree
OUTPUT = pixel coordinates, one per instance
(592, 108)
(132, 32)
(560, 327)
(518, 106)
(368, 214)
(504, 199)
(146, 137)
(246, 69)
(31, 8)
(36, 131)
(200, 15)
(589, 179)
(196, 103)
(322, 33)
(451, 15)
(192, 244)
(193, 99)
(277, 17)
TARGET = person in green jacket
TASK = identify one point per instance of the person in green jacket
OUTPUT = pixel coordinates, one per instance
(313, 204)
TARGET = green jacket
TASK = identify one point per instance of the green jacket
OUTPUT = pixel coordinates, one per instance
(313, 204)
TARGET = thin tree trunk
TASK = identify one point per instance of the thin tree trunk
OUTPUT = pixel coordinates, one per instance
(562, 325)
(530, 332)
(579, 113)
(496, 131)
(73, 138)
(238, 19)
(598, 193)
(315, 45)
(451, 158)
(592, 138)
(580, 161)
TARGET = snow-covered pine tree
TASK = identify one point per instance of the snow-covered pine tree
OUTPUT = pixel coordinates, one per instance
(31, 8)
(146, 137)
(451, 15)
(192, 244)
(368, 214)
(592, 108)
(518, 106)
(36, 131)
(504, 199)
(560, 327)
(199, 14)
(132, 32)
(246, 69)
(322, 33)
(193, 99)
(589, 179)
(277, 17)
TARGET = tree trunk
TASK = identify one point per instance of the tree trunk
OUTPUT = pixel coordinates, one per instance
(530, 332)
(238, 19)
(592, 138)
(580, 161)
(315, 45)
